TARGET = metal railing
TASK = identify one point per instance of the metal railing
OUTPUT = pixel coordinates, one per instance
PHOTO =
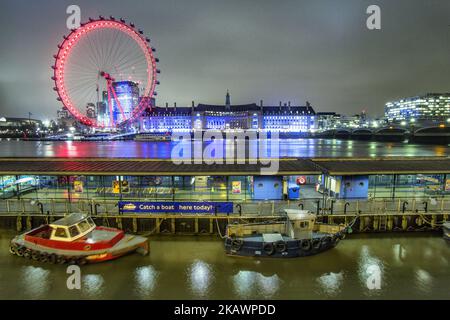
(319, 206)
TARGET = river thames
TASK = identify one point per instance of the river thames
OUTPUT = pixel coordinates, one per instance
(413, 266)
(307, 148)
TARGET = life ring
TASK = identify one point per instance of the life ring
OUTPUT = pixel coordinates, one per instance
(280, 246)
(236, 244)
(316, 243)
(305, 245)
(269, 248)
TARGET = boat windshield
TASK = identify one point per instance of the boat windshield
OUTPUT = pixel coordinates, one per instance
(91, 222)
(84, 226)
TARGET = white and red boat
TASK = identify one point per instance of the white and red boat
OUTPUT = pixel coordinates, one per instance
(76, 239)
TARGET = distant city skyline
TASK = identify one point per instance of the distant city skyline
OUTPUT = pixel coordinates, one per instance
(298, 51)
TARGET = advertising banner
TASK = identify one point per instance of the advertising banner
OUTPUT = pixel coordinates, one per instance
(236, 187)
(175, 207)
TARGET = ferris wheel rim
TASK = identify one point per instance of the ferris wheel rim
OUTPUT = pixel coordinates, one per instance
(76, 35)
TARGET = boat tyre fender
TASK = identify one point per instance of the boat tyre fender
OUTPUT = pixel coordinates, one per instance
(269, 248)
(81, 261)
(280, 246)
(342, 235)
(43, 257)
(305, 245)
(52, 258)
(13, 249)
(35, 255)
(20, 251)
(60, 260)
(336, 239)
(316, 243)
(326, 242)
(27, 253)
(236, 244)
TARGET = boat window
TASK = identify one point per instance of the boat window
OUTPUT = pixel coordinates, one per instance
(304, 224)
(91, 222)
(60, 233)
(73, 231)
(84, 226)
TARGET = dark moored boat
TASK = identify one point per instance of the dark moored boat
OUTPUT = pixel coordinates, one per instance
(298, 236)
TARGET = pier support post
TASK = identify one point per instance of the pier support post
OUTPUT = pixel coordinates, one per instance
(196, 225)
(404, 223)
(28, 222)
(211, 226)
(172, 229)
(135, 226)
(19, 223)
(119, 222)
(157, 226)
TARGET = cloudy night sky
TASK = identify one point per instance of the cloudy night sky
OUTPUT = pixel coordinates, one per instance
(292, 50)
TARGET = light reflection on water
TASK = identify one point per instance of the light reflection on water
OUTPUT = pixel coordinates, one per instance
(145, 280)
(200, 277)
(246, 283)
(93, 285)
(331, 283)
(412, 266)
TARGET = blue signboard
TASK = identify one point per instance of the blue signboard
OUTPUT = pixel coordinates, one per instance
(175, 207)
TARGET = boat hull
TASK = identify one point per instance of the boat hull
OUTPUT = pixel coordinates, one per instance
(254, 246)
(128, 244)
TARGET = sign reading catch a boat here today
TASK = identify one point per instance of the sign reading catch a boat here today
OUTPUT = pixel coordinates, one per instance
(175, 207)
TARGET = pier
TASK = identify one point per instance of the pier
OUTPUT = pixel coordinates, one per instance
(376, 191)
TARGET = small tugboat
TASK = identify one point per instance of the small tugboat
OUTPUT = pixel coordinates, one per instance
(75, 239)
(298, 236)
(446, 231)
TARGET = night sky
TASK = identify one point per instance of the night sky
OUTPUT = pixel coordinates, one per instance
(317, 50)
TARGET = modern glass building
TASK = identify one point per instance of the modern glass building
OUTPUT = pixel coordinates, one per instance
(429, 107)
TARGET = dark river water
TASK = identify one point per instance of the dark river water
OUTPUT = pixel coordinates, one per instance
(287, 148)
(413, 266)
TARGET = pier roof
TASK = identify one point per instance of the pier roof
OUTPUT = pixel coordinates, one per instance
(107, 166)
(386, 165)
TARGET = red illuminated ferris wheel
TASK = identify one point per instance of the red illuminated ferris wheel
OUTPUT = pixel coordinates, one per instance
(105, 72)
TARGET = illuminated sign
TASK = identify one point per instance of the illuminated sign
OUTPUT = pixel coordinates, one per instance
(175, 207)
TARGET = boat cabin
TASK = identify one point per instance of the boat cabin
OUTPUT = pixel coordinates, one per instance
(301, 223)
(71, 227)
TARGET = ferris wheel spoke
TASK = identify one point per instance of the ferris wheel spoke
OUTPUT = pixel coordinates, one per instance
(96, 58)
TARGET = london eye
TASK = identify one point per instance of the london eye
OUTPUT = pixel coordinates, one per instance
(105, 72)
